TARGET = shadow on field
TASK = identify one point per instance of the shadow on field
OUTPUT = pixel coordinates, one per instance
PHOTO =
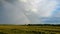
(40, 32)
(2, 33)
(52, 30)
(27, 32)
(17, 31)
(35, 32)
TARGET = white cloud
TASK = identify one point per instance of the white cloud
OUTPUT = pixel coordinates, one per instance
(23, 0)
(46, 8)
(43, 8)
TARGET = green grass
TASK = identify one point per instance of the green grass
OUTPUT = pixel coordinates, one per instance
(16, 29)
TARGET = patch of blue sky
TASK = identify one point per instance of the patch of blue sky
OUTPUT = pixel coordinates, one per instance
(57, 10)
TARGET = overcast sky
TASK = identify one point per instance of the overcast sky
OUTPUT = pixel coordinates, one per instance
(29, 11)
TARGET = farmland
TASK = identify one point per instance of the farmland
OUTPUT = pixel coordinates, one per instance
(19, 29)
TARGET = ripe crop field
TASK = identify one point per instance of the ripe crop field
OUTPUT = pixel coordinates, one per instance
(17, 29)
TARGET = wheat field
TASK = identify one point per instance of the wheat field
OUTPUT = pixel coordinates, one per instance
(18, 29)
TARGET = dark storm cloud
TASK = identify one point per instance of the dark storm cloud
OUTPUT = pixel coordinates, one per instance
(13, 12)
